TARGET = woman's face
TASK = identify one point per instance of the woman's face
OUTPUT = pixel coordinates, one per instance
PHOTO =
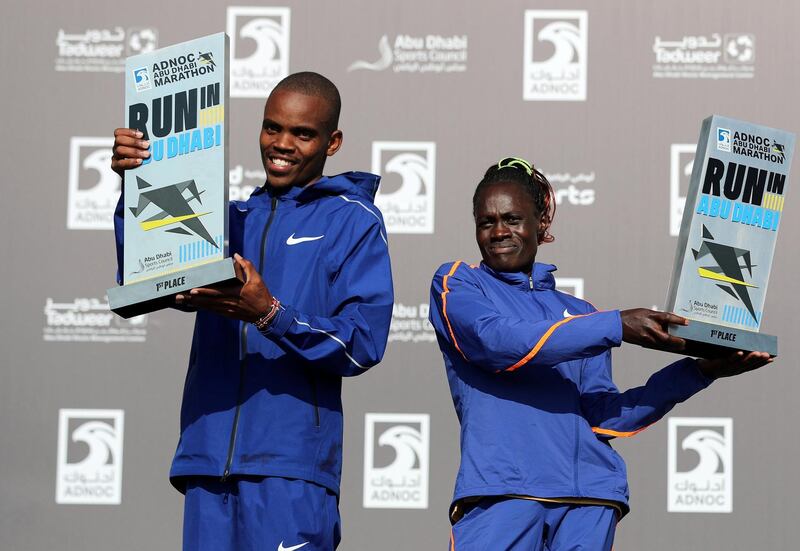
(506, 227)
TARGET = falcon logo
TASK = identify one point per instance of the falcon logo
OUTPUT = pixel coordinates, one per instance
(555, 54)
(89, 467)
(93, 186)
(396, 463)
(406, 196)
(700, 465)
(727, 271)
(259, 49)
(175, 209)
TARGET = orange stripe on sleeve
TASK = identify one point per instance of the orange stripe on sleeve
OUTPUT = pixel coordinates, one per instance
(618, 434)
(452, 541)
(535, 350)
(444, 306)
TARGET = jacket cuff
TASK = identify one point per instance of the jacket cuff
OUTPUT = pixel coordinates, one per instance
(281, 323)
(694, 374)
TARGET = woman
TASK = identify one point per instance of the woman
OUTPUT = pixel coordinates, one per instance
(529, 370)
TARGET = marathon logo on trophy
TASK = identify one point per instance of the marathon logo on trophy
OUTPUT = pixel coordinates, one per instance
(89, 467)
(396, 458)
(731, 217)
(176, 202)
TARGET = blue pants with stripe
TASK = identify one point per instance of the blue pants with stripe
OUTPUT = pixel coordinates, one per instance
(512, 524)
(259, 514)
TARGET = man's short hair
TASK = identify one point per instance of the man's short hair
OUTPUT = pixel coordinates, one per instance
(314, 84)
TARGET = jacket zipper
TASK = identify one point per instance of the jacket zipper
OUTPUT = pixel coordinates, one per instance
(530, 281)
(243, 351)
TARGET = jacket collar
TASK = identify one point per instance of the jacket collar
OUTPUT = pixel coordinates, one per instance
(361, 184)
(541, 276)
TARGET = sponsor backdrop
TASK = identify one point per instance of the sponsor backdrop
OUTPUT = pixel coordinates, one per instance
(605, 98)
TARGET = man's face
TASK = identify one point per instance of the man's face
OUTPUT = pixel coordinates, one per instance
(295, 140)
(506, 227)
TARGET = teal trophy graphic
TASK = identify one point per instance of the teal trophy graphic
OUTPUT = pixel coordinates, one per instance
(176, 202)
(733, 212)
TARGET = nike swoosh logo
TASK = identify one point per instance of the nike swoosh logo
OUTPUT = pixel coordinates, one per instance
(292, 240)
(292, 548)
(567, 314)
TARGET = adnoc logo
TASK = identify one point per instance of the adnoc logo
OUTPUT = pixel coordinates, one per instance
(555, 50)
(396, 454)
(259, 49)
(89, 469)
(700, 465)
(407, 191)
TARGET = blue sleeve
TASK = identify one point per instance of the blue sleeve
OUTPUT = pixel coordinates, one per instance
(472, 325)
(354, 338)
(612, 413)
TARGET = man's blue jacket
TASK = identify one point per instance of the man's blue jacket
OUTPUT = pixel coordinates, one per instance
(271, 405)
(529, 370)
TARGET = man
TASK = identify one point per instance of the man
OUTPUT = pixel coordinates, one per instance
(260, 450)
(529, 370)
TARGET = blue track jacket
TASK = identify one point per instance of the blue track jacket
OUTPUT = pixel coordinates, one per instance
(271, 406)
(529, 370)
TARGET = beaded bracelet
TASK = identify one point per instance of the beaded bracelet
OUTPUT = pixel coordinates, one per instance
(262, 323)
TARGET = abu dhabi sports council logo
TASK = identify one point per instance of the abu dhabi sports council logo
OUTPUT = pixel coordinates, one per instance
(700, 465)
(89, 468)
(90, 320)
(556, 51)
(396, 454)
(723, 139)
(93, 188)
(410, 323)
(102, 50)
(141, 78)
(405, 53)
(570, 285)
(259, 49)
(408, 184)
(681, 163)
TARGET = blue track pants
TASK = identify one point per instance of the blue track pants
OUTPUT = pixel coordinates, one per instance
(259, 514)
(512, 524)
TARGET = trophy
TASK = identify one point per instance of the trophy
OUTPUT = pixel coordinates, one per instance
(727, 239)
(176, 201)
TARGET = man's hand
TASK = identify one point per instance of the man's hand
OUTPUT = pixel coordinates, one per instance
(735, 364)
(246, 301)
(648, 328)
(129, 150)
